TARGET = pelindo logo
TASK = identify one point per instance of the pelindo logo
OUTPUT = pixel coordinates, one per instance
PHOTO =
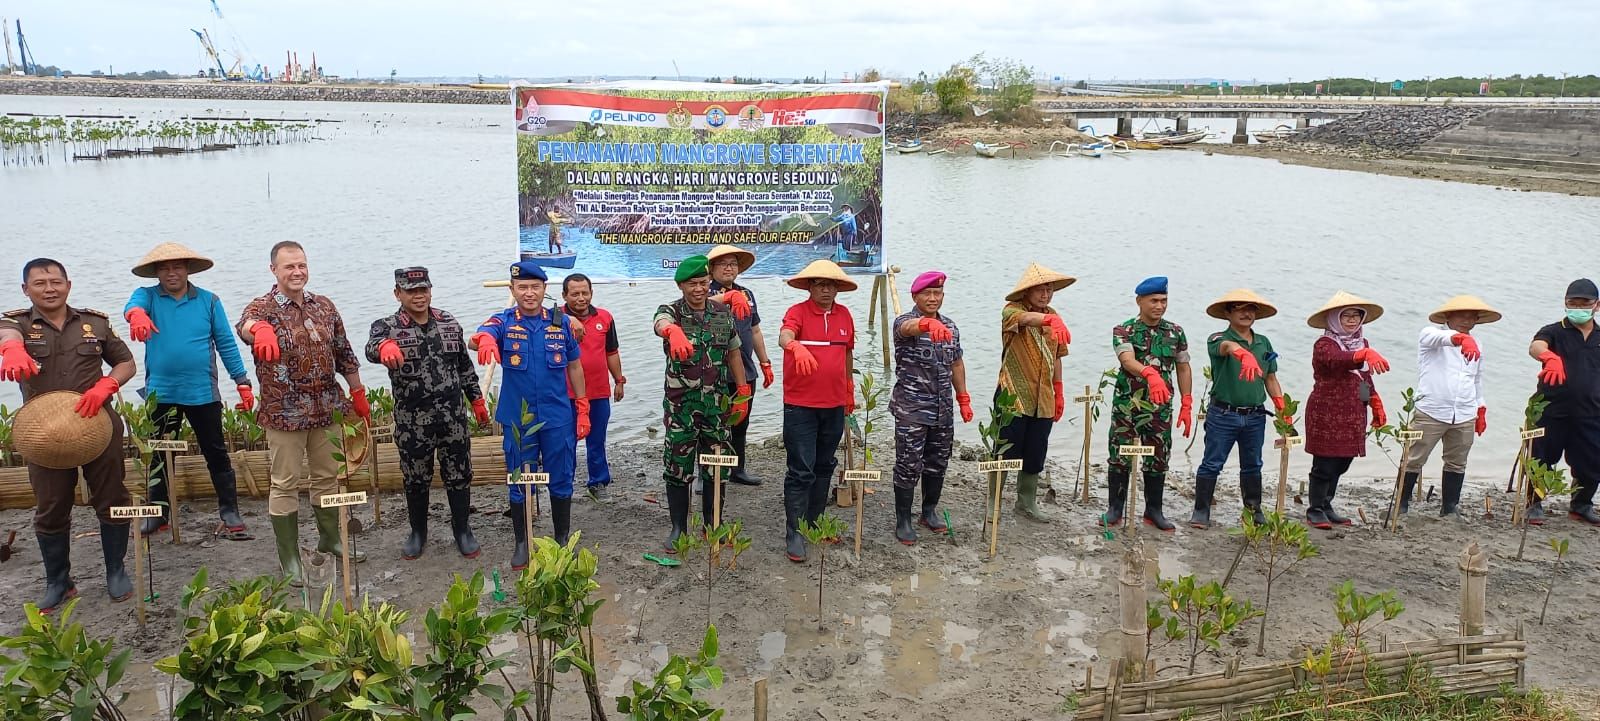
(612, 116)
(594, 117)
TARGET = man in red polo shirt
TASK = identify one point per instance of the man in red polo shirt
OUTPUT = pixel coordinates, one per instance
(602, 361)
(818, 337)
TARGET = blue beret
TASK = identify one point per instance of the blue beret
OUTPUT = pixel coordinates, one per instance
(1152, 286)
(527, 270)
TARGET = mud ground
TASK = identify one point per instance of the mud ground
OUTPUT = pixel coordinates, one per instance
(1511, 179)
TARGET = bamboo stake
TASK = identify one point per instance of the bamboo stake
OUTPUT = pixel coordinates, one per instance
(172, 493)
(894, 295)
(1400, 479)
(1088, 400)
(1474, 568)
(885, 320)
(139, 590)
(997, 480)
(761, 700)
(344, 548)
(1131, 587)
(1285, 442)
(860, 488)
(372, 474)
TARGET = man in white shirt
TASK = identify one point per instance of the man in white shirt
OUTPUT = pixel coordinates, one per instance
(1450, 405)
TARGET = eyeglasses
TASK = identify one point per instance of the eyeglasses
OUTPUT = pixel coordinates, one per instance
(1352, 315)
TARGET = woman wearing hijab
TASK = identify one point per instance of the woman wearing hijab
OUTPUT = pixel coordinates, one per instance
(1342, 366)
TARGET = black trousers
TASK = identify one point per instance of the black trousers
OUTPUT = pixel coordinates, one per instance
(1030, 440)
(811, 437)
(1578, 439)
(737, 434)
(1325, 474)
(206, 420)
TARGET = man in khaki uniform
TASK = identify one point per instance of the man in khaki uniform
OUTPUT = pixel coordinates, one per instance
(52, 346)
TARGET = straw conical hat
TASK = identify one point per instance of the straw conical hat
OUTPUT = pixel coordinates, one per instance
(1037, 275)
(746, 258)
(146, 267)
(1218, 307)
(48, 431)
(822, 270)
(1341, 299)
(1465, 302)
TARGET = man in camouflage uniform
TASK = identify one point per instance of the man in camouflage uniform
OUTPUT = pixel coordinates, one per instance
(425, 350)
(1148, 350)
(699, 339)
(928, 365)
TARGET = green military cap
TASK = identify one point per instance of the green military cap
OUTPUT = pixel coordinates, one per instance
(692, 267)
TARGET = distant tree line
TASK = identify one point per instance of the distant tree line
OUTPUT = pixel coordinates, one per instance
(1532, 86)
(50, 71)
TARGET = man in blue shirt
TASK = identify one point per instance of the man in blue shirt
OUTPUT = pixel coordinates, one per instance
(536, 350)
(847, 228)
(184, 328)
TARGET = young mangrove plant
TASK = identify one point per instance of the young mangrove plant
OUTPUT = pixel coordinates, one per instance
(557, 619)
(1201, 613)
(52, 670)
(1279, 545)
(722, 545)
(670, 696)
(1543, 482)
(821, 535)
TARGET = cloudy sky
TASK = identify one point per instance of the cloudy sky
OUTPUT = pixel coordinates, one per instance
(1235, 39)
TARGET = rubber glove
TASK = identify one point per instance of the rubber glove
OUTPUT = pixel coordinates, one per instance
(936, 331)
(1379, 418)
(964, 402)
(358, 399)
(1249, 369)
(1058, 329)
(15, 363)
(95, 398)
(1374, 362)
(766, 374)
(850, 405)
(1554, 373)
(1483, 420)
(247, 398)
(480, 410)
(1061, 402)
(736, 301)
(1186, 415)
(266, 343)
(488, 348)
(139, 324)
(678, 346)
(804, 363)
(741, 407)
(1277, 402)
(1160, 394)
(582, 405)
(389, 354)
(1469, 346)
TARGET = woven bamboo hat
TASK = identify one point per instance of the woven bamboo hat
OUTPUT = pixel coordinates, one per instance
(48, 431)
(356, 446)
(1341, 299)
(822, 270)
(1037, 275)
(146, 267)
(1465, 302)
(1219, 307)
(746, 258)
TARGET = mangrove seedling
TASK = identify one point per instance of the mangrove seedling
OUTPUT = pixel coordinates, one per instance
(60, 671)
(1543, 482)
(1356, 612)
(1200, 415)
(459, 664)
(1202, 614)
(1560, 547)
(244, 655)
(670, 696)
(995, 445)
(821, 534)
(556, 617)
(723, 546)
(1278, 546)
(868, 412)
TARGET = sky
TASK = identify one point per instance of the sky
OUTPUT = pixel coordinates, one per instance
(1098, 39)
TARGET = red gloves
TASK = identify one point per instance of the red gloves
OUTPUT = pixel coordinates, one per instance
(139, 324)
(850, 406)
(804, 363)
(488, 348)
(389, 354)
(1277, 402)
(1379, 418)
(480, 411)
(1061, 402)
(1483, 420)
(266, 343)
(358, 399)
(95, 398)
(1249, 369)
(247, 398)
(736, 302)
(1554, 373)
(766, 374)
(1374, 362)
(582, 405)
(15, 363)
(1186, 415)
(741, 407)
(1469, 346)
(1058, 329)
(678, 346)
(964, 401)
(937, 332)
(1160, 394)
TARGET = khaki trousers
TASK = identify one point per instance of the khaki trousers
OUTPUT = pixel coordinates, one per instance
(291, 452)
(1457, 443)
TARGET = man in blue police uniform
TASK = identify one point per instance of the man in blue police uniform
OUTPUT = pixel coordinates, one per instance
(535, 347)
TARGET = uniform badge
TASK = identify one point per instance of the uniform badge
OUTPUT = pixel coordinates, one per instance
(600, 327)
(557, 357)
(516, 360)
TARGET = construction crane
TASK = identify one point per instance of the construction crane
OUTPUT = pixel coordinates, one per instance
(28, 62)
(11, 57)
(211, 50)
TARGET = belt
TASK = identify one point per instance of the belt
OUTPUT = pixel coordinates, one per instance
(1241, 410)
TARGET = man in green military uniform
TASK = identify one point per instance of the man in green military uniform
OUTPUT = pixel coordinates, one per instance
(1149, 348)
(699, 338)
(1244, 375)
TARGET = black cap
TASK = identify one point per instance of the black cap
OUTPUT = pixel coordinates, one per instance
(1583, 288)
(412, 278)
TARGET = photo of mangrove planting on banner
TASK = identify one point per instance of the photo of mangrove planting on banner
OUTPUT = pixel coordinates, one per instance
(621, 181)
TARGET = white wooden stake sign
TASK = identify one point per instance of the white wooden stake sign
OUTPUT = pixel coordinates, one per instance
(1133, 454)
(1407, 438)
(1519, 507)
(1088, 399)
(1283, 444)
(134, 513)
(166, 448)
(861, 479)
(717, 462)
(343, 501)
(997, 479)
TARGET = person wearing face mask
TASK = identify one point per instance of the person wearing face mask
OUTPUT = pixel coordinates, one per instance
(1033, 340)
(1570, 380)
(1342, 366)
(1244, 375)
(928, 366)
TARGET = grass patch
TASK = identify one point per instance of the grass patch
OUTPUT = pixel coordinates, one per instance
(1416, 695)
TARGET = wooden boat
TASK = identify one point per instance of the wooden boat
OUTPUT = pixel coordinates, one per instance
(1173, 137)
(1091, 150)
(989, 151)
(909, 146)
(1281, 132)
(565, 260)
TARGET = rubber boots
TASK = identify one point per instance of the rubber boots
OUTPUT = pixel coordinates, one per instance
(1450, 500)
(794, 508)
(286, 534)
(226, 484)
(56, 549)
(1155, 487)
(561, 518)
(1327, 505)
(328, 534)
(114, 546)
(519, 528)
(1250, 492)
(417, 513)
(678, 511)
(1204, 490)
(1116, 498)
(460, 524)
(1027, 498)
(904, 531)
(158, 497)
(1406, 485)
(932, 489)
(1534, 516)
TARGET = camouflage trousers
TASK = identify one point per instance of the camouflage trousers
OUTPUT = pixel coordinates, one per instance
(921, 453)
(418, 445)
(1141, 429)
(694, 426)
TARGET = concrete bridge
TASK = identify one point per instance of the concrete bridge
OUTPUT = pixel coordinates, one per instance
(1302, 115)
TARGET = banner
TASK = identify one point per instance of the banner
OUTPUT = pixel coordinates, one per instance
(622, 180)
